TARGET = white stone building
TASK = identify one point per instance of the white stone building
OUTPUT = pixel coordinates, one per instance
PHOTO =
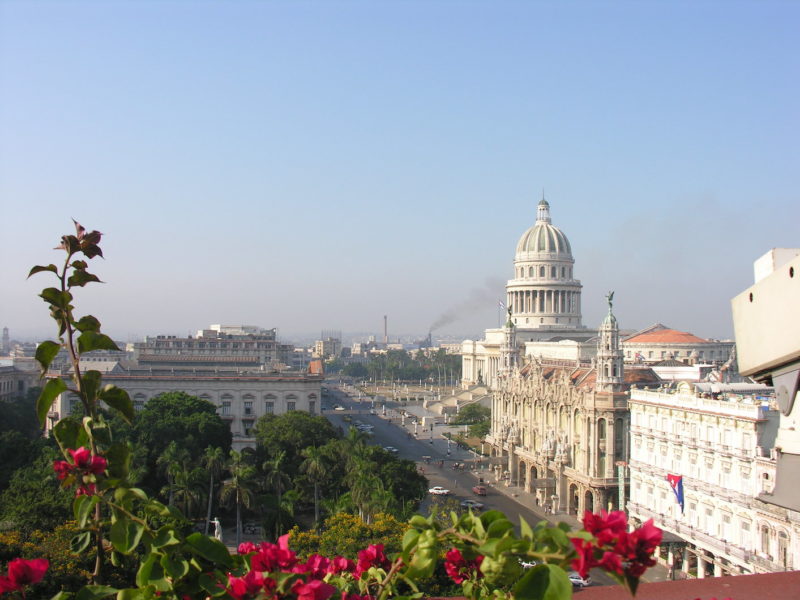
(719, 438)
(241, 398)
(544, 300)
(658, 343)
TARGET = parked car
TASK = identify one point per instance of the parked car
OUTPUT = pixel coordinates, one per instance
(438, 491)
(577, 581)
(391, 449)
(472, 504)
(338, 407)
(479, 490)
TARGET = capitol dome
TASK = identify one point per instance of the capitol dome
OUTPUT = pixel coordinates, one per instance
(543, 237)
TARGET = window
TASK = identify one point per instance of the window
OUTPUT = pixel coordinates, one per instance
(553, 272)
(541, 271)
(563, 272)
(248, 407)
(269, 407)
(248, 427)
(312, 407)
(226, 407)
(290, 405)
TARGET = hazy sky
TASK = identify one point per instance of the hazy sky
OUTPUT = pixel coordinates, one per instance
(316, 165)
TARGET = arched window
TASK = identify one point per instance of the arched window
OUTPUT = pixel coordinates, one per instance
(530, 271)
(563, 272)
(541, 271)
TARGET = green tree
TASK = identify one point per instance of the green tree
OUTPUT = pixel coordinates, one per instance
(238, 489)
(315, 466)
(191, 422)
(214, 462)
(291, 433)
(472, 413)
(277, 480)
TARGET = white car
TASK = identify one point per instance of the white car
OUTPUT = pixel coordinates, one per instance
(438, 491)
(472, 504)
(338, 407)
(577, 581)
(391, 449)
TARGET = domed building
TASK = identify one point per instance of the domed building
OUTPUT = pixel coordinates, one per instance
(544, 303)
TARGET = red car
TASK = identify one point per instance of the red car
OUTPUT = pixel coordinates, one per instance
(479, 490)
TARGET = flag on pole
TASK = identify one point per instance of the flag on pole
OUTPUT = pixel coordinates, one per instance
(676, 482)
(501, 305)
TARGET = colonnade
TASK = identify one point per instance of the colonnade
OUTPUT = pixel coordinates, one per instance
(545, 302)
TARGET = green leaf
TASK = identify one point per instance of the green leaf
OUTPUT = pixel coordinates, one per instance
(56, 297)
(151, 573)
(79, 264)
(175, 566)
(210, 549)
(90, 384)
(126, 534)
(134, 594)
(82, 507)
(87, 323)
(499, 527)
(40, 268)
(95, 592)
(45, 353)
(91, 340)
(119, 459)
(80, 542)
(165, 537)
(533, 584)
(525, 529)
(50, 392)
(80, 278)
(118, 399)
(69, 434)
(211, 585)
(62, 596)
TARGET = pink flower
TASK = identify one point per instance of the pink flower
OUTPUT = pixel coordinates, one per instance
(341, 564)
(246, 548)
(605, 526)
(23, 572)
(271, 557)
(346, 596)
(81, 457)
(585, 559)
(62, 469)
(316, 566)
(459, 568)
(312, 590)
(243, 588)
(373, 556)
(611, 562)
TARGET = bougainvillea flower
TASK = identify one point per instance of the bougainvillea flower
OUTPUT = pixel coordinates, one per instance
(316, 566)
(249, 586)
(313, 590)
(272, 557)
(246, 548)
(341, 564)
(610, 562)
(26, 572)
(585, 559)
(81, 457)
(605, 526)
(459, 568)
(373, 556)
(346, 596)
(62, 468)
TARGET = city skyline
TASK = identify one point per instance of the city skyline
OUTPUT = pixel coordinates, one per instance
(315, 166)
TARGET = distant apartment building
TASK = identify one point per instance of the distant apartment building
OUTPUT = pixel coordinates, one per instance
(240, 398)
(330, 347)
(718, 439)
(220, 346)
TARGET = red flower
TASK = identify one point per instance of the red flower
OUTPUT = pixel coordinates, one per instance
(605, 526)
(611, 562)
(81, 457)
(346, 596)
(316, 566)
(246, 548)
(272, 558)
(62, 469)
(585, 559)
(459, 568)
(312, 590)
(246, 587)
(373, 556)
(23, 572)
(341, 564)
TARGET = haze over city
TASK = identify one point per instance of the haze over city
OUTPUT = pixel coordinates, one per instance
(315, 165)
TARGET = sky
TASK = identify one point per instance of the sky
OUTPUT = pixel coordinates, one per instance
(318, 165)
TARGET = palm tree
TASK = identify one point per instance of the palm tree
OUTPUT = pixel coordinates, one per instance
(341, 504)
(238, 489)
(187, 485)
(171, 460)
(314, 465)
(275, 478)
(214, 461)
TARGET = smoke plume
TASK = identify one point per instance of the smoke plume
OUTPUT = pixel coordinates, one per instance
(477, 299)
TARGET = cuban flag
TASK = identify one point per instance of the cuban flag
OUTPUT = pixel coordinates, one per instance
(676, 482)
(501, 305)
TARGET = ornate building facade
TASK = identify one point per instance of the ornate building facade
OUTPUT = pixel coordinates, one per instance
(558, 431)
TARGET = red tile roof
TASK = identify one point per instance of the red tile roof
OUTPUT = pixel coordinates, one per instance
(666, 336)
